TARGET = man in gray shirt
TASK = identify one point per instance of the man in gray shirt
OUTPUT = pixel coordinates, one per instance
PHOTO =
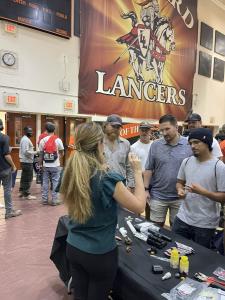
(201, 182)
(116, 149)
(161, 169)
(26, 155)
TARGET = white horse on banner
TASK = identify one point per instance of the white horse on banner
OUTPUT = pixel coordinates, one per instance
(164, 43)
(161, 43)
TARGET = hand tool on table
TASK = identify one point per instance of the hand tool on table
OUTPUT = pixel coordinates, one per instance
(211, 281)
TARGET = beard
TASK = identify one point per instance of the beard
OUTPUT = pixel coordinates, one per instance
(114, 135)
(196, 154)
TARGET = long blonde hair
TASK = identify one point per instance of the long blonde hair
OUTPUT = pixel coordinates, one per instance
(82, 164)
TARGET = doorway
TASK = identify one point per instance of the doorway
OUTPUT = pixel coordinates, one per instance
(15, 124)
(71, 124)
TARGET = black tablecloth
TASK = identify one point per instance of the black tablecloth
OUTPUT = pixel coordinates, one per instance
(135, 279)
(58, 253)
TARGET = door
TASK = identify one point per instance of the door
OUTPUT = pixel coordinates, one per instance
(71, 124)
(15, 124)
(59, 123)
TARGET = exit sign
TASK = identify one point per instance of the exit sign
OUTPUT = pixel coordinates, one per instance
(10, 28)
(11, 99)
(68, 105)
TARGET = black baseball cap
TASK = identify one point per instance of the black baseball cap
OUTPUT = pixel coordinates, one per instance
(114, 120)
(194, 117)
(202, 134)
(145, 124)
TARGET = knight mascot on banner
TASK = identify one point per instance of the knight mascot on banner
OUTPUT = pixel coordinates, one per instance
(141, 60)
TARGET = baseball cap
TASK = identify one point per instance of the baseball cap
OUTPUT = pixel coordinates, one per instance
(145, 124)
(202, 134)
(114, 120)
(194, 117)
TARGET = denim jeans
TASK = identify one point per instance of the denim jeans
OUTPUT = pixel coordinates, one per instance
(26, 178)
(6, 181)
(54, 174)
(202, 236)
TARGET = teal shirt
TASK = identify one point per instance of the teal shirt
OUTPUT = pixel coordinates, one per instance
(97, 235)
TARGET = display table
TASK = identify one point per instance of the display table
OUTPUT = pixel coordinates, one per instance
(135, 279)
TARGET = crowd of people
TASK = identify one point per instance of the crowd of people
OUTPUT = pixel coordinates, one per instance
(182, 176)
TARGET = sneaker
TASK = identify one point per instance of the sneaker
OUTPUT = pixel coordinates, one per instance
(29, 197)
(44, 202)
(13, 213)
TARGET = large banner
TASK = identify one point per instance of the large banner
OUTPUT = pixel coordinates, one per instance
(137, 57)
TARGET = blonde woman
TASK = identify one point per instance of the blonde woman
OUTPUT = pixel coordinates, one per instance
(91, 195)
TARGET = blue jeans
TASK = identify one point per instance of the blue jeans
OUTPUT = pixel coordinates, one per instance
(6, 181)
(202, 236)
(54, 174)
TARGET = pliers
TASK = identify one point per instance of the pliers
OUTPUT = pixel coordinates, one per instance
(212, 281)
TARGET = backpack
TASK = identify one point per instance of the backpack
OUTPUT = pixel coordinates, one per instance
(50, 150)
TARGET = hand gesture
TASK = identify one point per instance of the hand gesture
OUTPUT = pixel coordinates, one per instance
(181, 193)
(135, 162)
(14, 169)
(196, 188)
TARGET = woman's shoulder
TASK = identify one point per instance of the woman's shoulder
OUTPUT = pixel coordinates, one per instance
(112, 176)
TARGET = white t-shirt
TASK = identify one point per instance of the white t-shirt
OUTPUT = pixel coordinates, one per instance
(59, 146)
(141, 150)
(216, 152)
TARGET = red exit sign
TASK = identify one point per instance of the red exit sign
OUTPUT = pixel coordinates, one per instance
(10, 28)
(11, 99)
(68, 105)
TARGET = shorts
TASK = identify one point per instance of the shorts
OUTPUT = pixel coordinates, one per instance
(159, 208)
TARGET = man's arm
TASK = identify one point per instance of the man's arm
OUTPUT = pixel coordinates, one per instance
(214, 196)
(41, 153)
(6, 151)
(8, 158)
(25, 148)
(129, 174)
(149, 168)
(147, 178)
(60, 147)
(61, 153)
(180, 186)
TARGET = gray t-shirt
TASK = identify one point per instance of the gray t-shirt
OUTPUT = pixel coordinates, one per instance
(165, 160)
(197, 210)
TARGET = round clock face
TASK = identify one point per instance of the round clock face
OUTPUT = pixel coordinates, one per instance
(9, 59)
